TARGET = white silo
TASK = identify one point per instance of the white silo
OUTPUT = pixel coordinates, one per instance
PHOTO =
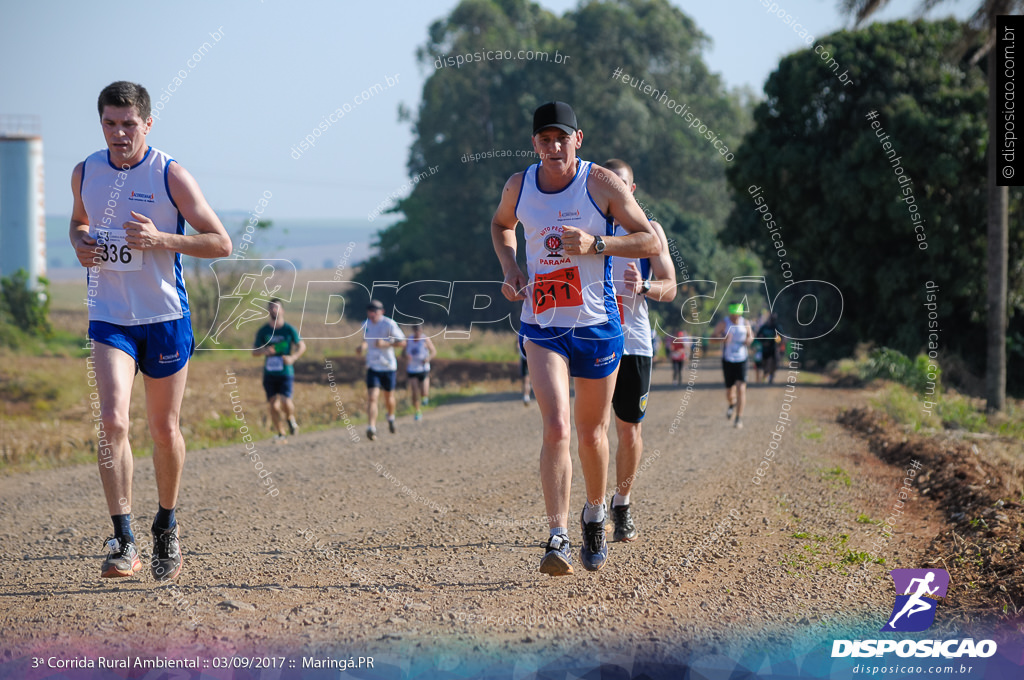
(22, 211)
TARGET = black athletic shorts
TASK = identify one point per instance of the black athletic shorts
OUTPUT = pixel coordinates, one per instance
(734, 372)
(632, 385)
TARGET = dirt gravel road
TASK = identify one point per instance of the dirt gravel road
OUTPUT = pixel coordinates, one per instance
(427, 541)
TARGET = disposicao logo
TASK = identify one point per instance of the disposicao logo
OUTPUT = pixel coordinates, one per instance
(917, 592)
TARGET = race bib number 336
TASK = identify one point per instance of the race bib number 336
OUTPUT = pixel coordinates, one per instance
(114, 252)
(560, 288)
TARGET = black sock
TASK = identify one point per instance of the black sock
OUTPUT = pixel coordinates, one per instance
(164, 519)
(123, 527)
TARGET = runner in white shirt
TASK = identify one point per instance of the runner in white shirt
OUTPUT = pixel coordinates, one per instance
(419, 350)
(381, 336)
(131, 202)
(570, 325)
(735, 334)
(636, 282)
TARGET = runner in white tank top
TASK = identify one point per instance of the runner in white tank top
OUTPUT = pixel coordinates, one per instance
(419, 350)
(131, 202)
(569, 322)
(735, 334)
(636, 280)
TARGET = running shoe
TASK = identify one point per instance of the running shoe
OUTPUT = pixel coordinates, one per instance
(418, 416)
(557, 560)
(739, 424)
(526, 400)
(371, 433)
(729, 411)
(122, 559)
(166, 562)
(391, 425)
(293, 426)
(279, 438)
(424, 401)
(625, 530)
(594, 550)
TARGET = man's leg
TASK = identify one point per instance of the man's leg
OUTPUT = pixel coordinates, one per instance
(627, 460)
(627, 455)
(550, 376)
(391, 403)
(425, 387)
(115, 373)
(414, 393)
(371, 405)
(288, 407)
(163, 409)
(593, 411)
(741, 400)
(274, 404)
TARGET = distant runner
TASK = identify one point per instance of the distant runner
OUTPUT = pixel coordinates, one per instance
(736, 335)
(280, 343)
(676, 347)
(419, 350)
(524, 375)
(768, 336)
(381, 335)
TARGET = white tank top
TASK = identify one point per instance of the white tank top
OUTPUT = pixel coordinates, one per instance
(565, 290)
(418, 354)
(132, 287)
(735, 341)
(636, 325)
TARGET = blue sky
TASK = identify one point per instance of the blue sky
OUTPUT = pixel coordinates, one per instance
(278, 69)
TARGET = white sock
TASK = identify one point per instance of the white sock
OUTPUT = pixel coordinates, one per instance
(593, 513)
(390, 418)
(618, 500)
(559, 531)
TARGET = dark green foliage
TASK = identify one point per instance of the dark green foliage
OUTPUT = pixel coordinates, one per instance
(23, 307)
(833, 192)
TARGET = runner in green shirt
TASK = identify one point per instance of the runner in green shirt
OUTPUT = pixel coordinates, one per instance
(280, 343)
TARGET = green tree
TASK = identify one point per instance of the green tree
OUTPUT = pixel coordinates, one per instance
(25, 307)
(486, 106)
(997, 244)
(832, 188)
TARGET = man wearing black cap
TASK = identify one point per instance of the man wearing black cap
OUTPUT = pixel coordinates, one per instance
(380, 337)
(570, 324)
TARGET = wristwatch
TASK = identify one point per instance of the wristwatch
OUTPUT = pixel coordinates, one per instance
(598, 245)
(645, 286)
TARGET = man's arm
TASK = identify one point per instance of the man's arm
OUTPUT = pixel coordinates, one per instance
(663, 286)
(212, 241)
(299, 350)
(260, 346)
(431, 350)
(503, 236)
(396, 336)
(610, 191)
(719, 333)
(85, 247)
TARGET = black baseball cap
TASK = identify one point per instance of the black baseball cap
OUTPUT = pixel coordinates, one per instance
(555, 114)
(375, 304)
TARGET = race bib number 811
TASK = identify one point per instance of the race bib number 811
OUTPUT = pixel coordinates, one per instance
(560, 288)
(114, 252)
